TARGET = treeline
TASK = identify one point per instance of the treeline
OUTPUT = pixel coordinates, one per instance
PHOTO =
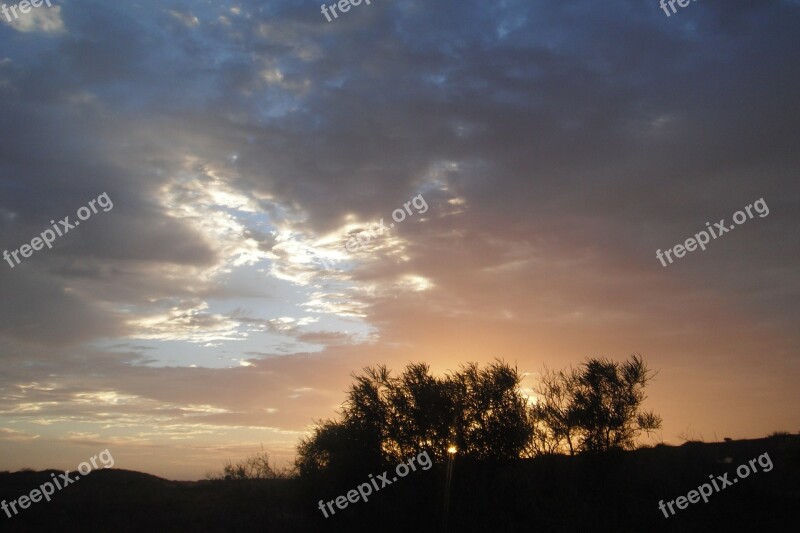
(480, 413)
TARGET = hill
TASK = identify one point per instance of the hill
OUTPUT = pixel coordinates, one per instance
(616, 492)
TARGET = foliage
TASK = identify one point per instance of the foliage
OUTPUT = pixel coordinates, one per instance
(255, 466)
(594, 408)
(387, 418)
(482, 411)
(555, 423)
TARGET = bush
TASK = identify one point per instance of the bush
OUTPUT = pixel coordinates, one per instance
(254, 466)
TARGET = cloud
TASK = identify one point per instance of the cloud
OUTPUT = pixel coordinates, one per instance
(16, 436)
(558, 145)
(37, 20)
(186, 18)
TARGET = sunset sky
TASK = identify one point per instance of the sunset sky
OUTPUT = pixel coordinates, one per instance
(556, 144)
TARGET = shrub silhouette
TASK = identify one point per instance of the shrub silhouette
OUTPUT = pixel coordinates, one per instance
(255, 466)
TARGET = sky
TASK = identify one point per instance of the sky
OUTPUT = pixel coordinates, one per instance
(532, 155)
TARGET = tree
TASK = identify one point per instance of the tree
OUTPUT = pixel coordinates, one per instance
(423, 413)
(607, 403)
(555, 420)
(493, 419)
(482, 411)
(387, 418)
(597, 406)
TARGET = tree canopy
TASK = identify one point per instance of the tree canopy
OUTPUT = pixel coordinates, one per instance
(594, 408)
(386, 418)
(482, 412)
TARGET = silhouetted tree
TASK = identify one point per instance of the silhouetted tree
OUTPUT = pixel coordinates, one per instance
(482, 411)
(387, 418)
(598, 405)
(332, 447)
(607, 403)
(423, 413)
(555, 418)
(493, 419)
